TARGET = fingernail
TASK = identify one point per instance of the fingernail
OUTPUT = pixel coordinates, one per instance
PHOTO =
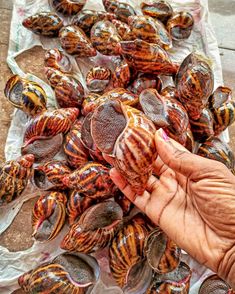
(161, 133)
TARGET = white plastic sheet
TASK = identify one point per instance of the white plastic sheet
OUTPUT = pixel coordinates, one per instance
(202, 39)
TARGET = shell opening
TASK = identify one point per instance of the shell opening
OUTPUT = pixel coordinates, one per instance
(40, 180)
(107, 123)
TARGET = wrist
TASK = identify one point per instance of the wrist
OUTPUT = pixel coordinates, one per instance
(226, 269)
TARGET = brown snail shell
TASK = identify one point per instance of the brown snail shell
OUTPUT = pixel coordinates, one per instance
(50, 175)
(213, 284)
(26, 95)
(163, 255)
(122, 28)
(92, 180)
(67, 7)
(180, 25)
(145, 81)
(67, 273)
(170, 92)
(190, 142)
(105, 39)
(77, 204)
(124, 202)
(47, 24)
(147, 58)
(121, 75)
(86, 18)
(14, 176)
(148, 29)
(194, 83)
(49, 216)
(158, 9)
(95, 228)
(77, 154)
(127, 263)
(126, 134)
(89, 103)
(202, 128)
(215, 149)
(55, 58)
(98, 78)
(177, 281)
(120, 9)
(75, 42)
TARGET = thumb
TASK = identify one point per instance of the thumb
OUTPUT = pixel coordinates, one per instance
(177, 157)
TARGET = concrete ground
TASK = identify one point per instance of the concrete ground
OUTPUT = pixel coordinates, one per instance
(18, 236)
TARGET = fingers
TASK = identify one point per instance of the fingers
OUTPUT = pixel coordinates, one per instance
(176, 156)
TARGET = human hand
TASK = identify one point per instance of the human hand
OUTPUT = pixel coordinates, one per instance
(193, 200)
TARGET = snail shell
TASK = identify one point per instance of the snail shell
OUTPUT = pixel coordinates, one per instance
(145, 81)
(104, 38)
(121, 75)
(97, 79)
(126, 257)
(26, 95)
(148, 29)
(159, 9)
(14, 175)
(89, 103)
(122, 28)
(86, 18)
(215, 149)
(110, 5)
(124, 202)
(202, 128)
(77, 154)
(126, 134)
(76, 205)
(162, 254)
(50, 123)
(75, 42)
(180, 25)
(213, 284)
(49, 175)
(56, 59)
(147, 58)
(120, 9)
(67, 273)
(177, 281)
(49, 216)
(67, 7)
(44, 23)
(194, 83)
(92, 180)
(95, 228)
(190, 142)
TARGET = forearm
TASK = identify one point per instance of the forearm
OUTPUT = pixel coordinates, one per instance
(226, 269)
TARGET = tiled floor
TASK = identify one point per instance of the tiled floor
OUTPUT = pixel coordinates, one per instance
(18, 237)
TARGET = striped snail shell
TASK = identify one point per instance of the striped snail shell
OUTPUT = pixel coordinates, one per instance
(162, 254)
(26, 95)
(95, 228)
(49, 175)
(223, 109)
(215, 149)
(97, 79)
(214, 284)
(77, 154)
(145, 81)
(92, 180)
(126, 258)
(47, 24)
(122, 28)
(75, 42)
(158, 9)
(90, 102)
(110, 5)
(147, 58)
(120, 9)
(76, 205)
(14, 176)
(202, 128)
(48, 217)
(50, 123)
(104, 38)
(67, 7)
(194, 83)
(148, 29)
(180, 25)
(67, 273)
(55, 58)
(176, 281)
(127, 135)
(121, 75)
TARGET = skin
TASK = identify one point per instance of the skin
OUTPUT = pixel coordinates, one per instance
(193, 200)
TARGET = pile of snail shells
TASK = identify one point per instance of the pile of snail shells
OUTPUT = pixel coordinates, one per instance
(112, 114)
